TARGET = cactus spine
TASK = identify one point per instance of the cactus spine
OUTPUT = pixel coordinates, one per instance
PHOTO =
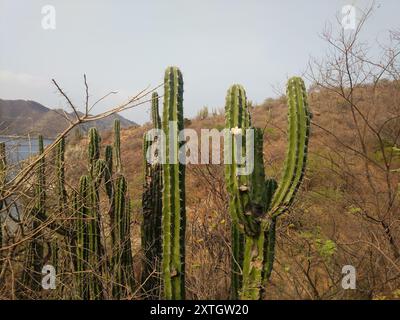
(256, 202)
(173, 194)
(152, 213)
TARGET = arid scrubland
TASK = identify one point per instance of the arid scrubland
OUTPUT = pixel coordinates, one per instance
(346, 213)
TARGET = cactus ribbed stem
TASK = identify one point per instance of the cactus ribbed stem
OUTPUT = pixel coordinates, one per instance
(152, 215)
(254, 244)
(82, 240)
(93, 148)
(122, 254)
(173, 211)
(296, 157)
(60, 167)
(237, 117)
(155, 116)
(117, 145)
(109, 172)
(91, 202)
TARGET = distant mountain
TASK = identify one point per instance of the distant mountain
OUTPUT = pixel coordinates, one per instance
(22, 117)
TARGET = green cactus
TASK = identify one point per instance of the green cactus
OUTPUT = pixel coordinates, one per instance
(117, 145)
(122, 254)
(82, 205)
(256, 202)
(152, 215)
(237, 116)
(90, 252)
(31, 276)
(109, 172)
(88, 262)
(60, 169)
(155, 116)
(173, 194)
(93, 148)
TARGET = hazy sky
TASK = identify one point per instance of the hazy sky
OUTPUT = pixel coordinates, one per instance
(126, 45)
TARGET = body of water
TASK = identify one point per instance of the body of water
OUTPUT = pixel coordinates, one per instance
(21, 148)
(17, 150)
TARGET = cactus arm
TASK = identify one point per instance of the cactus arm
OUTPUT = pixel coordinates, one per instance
(109, 172)
(298, 133)
(117, 145)
(155, 116)
(93, 148)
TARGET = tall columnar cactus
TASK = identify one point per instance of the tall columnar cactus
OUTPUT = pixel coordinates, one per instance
(173, 194)
(88, 262)
(81, 204)
(60, 169)
(152, 213)
(31, 276)
(155, 116)
(123, 280)
(237, 118)
(256, 202)
(117, 145)
(93, 148)
(109, 172)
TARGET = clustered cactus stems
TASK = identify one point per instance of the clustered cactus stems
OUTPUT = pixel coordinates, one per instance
(89, 251)
(173, 193)
(91, 262)
(31, 277)
(152, 212)
(256, 202)
(122, 260)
